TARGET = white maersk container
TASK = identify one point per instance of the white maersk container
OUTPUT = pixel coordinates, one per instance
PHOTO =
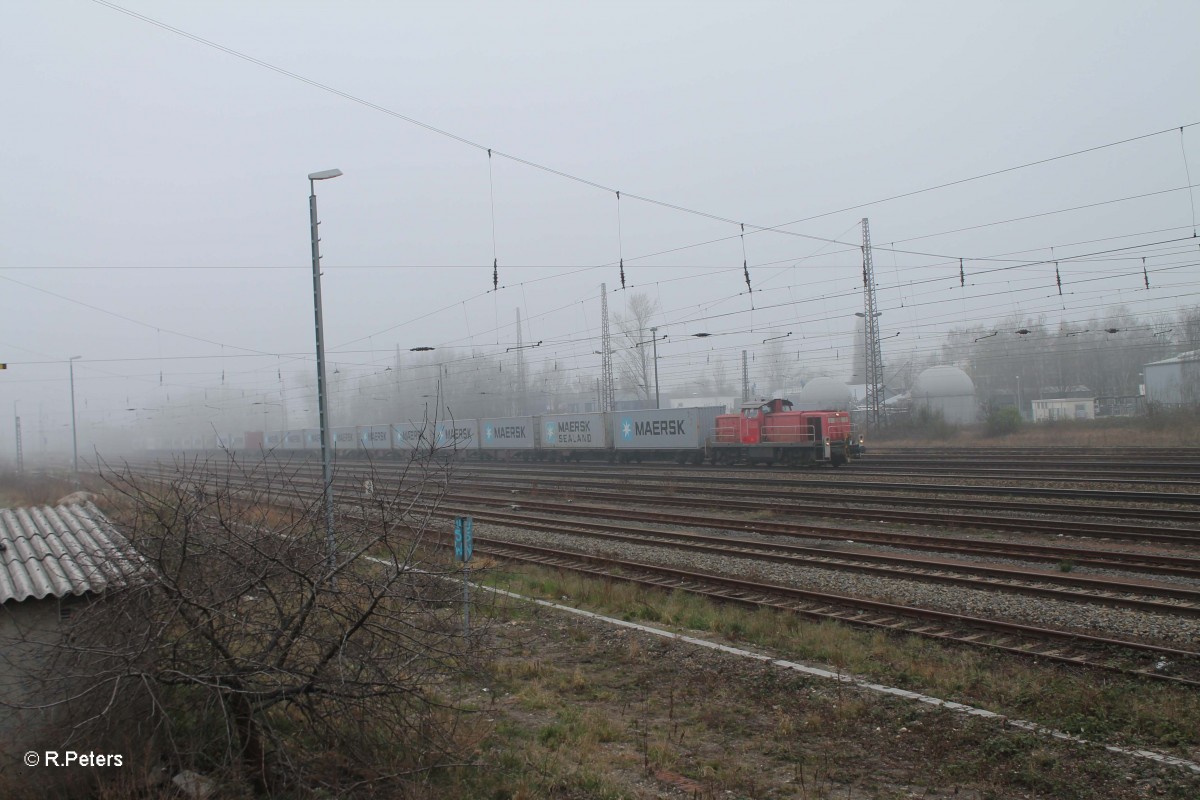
(412, 436)
(456, 434)
(343, 439)
(446, 437)
(507, 433)
(373, 437)
(566, 432)
(664, 429)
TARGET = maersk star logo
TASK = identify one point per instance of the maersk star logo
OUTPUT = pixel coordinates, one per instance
(441, 435)
(487, 432)
(626, 429)
(550, 432)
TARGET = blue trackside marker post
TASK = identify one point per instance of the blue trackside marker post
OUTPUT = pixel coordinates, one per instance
(462, 538)
(463, 542)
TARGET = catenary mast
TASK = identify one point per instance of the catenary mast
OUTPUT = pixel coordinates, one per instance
(874, 358)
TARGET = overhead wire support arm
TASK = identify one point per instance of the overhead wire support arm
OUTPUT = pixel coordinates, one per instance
(620, 240)
(746, 266)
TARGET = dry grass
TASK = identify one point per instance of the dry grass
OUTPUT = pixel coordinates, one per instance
(18, 490)
(580, 709)
(1105, 707)
(1164, 429)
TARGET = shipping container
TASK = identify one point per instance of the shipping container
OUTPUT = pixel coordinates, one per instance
(344, 439)
(664, 429)
(412, 435)
(565, 432)
(457, 434)
(293, 440)
(374, 437)
(508, 433)
(254, 440)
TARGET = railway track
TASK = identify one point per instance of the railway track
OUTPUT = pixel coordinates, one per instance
(1051, 519)
(1180, 471)
(617, 504)
(1080, 650)
(1066, 646)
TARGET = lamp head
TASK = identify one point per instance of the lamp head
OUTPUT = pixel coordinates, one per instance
(324, 174)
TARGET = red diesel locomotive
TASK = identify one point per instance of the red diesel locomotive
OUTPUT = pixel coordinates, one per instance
(770, 432)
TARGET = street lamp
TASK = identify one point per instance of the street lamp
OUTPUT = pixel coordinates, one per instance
(74, 440)
(322, 400)
(654, 340)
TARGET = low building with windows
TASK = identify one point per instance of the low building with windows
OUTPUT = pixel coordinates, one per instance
(1064, 408)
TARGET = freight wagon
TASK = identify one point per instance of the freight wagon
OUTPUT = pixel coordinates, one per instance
(764, 432)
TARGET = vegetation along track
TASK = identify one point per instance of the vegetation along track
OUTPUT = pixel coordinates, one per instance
(1060, 645)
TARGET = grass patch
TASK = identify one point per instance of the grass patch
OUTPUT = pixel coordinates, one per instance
(1082, 702)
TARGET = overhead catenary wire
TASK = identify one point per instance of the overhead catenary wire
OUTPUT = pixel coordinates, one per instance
(1188, 173)
(596, 184)
(745, 266)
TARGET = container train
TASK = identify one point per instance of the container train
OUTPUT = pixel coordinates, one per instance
(761, 432)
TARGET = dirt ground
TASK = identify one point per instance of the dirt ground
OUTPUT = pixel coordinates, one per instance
(582, 709)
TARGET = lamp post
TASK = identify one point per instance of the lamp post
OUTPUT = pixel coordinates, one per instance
(74, 440)
(1020, 413)
(654, 338)
(322, 400)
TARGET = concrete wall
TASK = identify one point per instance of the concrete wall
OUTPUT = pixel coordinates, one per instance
(27, 631)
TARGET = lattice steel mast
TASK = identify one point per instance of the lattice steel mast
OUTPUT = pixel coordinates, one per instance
(608, 395)
(873, 356)
(522, 388)
(745, 379)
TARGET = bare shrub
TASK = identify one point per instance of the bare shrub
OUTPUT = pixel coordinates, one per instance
(260, 659)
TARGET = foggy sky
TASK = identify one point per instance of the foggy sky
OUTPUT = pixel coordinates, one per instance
(155, 212)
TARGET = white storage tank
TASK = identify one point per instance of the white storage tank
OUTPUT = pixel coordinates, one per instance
(947, 391)
(824, 394)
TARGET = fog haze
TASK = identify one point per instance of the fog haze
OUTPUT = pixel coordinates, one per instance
(155, 204)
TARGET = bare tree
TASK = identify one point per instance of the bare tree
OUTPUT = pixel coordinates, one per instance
(255, 654)
(1189, 329)
(633, 347)
(777, 368)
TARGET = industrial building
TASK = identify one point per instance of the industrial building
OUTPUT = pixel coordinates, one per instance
(1173, 381)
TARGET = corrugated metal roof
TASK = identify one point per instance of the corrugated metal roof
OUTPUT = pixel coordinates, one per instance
(1182, 358)
(56, 551)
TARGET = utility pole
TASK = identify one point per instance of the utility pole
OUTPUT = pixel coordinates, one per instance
(874, 358)
(608, 398)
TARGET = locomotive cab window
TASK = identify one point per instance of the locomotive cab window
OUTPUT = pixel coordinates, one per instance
(750, 413)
